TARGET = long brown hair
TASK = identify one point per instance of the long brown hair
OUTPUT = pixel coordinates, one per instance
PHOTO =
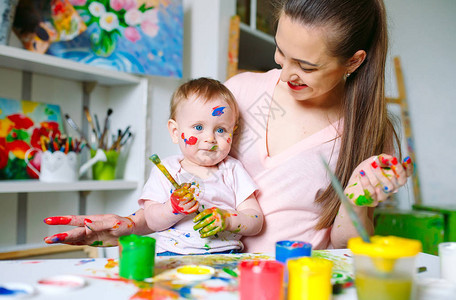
(352, 25)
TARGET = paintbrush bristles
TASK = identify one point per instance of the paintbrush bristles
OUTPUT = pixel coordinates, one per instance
(155, 159)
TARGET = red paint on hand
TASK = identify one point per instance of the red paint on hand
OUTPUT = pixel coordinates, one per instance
(57, 220)
(374, 165)
(56, 238)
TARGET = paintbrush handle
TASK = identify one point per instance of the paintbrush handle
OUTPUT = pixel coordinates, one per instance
(348, 206)
(154, 158)
(76, 127)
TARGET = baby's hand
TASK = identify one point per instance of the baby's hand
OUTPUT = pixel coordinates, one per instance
(211, 221)
(183, 201)
(376, 178)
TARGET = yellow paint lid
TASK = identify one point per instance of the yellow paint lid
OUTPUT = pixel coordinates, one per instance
(389, 247)
(310, 264)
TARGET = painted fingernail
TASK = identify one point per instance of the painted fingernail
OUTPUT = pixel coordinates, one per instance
(394, 161)
(374, 164)
(57, 238)
(57, 220)
(362, 173)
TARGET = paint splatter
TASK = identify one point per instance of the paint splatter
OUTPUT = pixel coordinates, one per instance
(214, 148)
(191, 140)
(12, 292)
(228, 140)
(85, 261)
(365, 199)
(111, 263)
(97, 244)
(56, 238)
(218, 111)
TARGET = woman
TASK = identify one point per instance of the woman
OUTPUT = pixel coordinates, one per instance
(327, 101)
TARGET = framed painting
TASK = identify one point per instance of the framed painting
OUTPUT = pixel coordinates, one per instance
(22, 123)
(135, 36)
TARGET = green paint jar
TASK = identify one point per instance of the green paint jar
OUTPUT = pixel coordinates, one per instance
(136, 257)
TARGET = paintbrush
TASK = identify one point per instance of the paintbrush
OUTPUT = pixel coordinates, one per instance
(156, 160)
(89, 119)
(348, 206)
(76, 127)
(105, 128)
(97, 124)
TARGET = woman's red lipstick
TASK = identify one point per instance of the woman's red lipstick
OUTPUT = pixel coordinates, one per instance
(296, 87)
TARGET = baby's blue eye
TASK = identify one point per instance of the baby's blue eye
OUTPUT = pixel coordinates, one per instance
(198, 127)
(220, 130)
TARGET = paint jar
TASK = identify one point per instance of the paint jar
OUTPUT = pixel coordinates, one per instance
(261, 279)
(309, 278)
(385, 267)
(435, 289)
(292, 249)
(136, 257)
(447, 254)
(105, 170)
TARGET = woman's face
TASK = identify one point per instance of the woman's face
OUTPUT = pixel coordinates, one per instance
(308, 72)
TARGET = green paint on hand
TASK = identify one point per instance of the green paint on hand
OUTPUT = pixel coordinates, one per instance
(97, 243)
(364, 200)
(351, 196)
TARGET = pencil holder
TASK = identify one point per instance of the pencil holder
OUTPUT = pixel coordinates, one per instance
(136, 257)
(105, 170)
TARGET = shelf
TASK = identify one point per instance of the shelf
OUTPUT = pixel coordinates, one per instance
(24, 60)
(28, 186)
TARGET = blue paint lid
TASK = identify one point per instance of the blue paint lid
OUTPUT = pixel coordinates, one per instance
(292, 249)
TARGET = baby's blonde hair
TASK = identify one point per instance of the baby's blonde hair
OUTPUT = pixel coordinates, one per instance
(207, 90)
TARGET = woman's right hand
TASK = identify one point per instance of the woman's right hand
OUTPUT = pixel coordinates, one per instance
(93, 230)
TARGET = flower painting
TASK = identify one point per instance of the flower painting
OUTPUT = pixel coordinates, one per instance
(137, 36)
(22, 123)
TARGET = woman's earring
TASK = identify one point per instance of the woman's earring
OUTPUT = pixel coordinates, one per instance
(347, 75)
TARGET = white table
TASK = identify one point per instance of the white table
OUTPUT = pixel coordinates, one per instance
(103, 282)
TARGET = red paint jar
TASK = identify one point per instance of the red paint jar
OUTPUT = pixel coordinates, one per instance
(261, 280)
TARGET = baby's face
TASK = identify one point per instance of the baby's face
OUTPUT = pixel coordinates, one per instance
(204, 130)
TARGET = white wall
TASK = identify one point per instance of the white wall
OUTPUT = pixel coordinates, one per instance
(422, 34)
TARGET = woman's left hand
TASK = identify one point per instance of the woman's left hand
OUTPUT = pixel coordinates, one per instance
(376, 178)
(211, 221)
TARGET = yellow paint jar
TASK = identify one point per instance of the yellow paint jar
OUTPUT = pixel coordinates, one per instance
(385, 267)
(309, 278)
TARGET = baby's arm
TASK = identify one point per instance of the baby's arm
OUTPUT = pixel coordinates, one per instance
(246, 220)
(161, 216)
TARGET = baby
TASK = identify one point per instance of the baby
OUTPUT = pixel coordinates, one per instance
(203, 118)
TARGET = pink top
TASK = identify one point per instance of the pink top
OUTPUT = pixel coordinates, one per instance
(288, 182)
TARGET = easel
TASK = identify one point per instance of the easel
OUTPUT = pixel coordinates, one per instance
(405, 117)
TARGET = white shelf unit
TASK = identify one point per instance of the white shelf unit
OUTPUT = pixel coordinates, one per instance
(59, 81)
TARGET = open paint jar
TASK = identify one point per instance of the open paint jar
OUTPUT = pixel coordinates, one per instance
(384, 268)
(136, 257)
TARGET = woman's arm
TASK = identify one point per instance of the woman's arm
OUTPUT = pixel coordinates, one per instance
(246, 220)
(373, 181)
(97, 230)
